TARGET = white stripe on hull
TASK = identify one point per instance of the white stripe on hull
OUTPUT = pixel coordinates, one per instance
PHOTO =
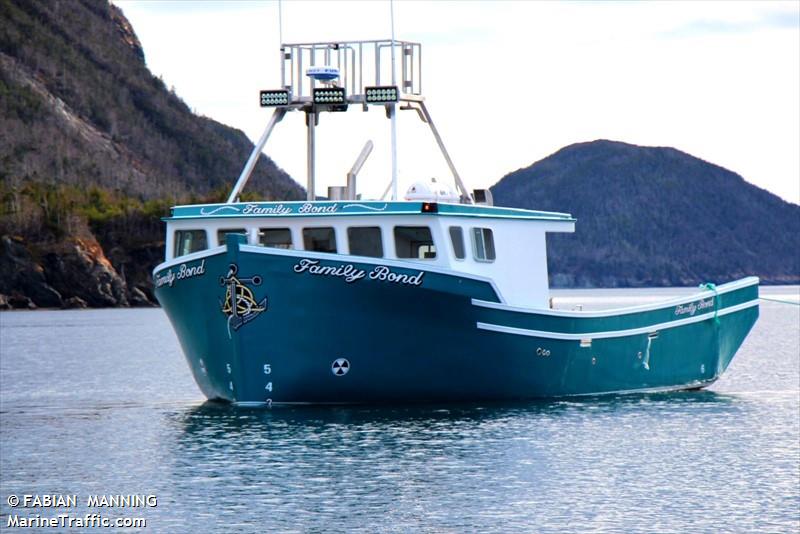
(614, 333)
(721, 290)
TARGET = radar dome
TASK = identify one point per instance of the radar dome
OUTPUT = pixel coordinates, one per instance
(431, 191)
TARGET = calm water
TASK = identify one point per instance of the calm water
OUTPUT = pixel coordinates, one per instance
(101, 402)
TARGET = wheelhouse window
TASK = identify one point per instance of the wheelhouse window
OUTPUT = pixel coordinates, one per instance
(414, 242)
(319, 239)
(222, 233)
(483, 244)
(365, 241)
(457, 237)
(188, 241)
(275, 238)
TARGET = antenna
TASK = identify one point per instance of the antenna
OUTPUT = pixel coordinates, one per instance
(392, 108)
(280, 22)
(391, 15)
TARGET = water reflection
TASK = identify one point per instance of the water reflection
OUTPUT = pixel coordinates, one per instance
(457, 466)
(120, 414)
(213, 417)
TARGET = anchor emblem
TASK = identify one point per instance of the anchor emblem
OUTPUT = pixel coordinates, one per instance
(240, 304)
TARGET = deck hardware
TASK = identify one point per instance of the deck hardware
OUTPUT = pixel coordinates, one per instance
(594, 360)
(483, 197)
(329, 95)
(279, 97)
(381, 94)
(586, 343)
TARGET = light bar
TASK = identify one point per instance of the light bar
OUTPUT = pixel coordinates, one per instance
(277, 97)
(329, 95)
(381, 94)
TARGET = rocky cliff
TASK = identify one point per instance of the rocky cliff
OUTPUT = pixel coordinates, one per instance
(93, 151)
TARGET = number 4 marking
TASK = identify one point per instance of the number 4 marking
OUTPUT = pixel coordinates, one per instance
(269, 386)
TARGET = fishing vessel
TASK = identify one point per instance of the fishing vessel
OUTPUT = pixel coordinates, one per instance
(435, 296)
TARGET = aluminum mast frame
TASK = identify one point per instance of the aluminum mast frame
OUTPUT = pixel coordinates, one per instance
(360, 66)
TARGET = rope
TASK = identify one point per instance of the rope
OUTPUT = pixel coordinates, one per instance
(781, 301)
(713, 287)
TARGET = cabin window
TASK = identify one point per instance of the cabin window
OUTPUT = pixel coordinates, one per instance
(188, 241)
(483, 244)
(222, 233)
(457, 237)
(365, 241)
(319, 239)
(275, 238)
(414, 242)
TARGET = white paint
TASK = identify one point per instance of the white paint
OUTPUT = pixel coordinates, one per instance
(721, 289)
(519, 273)
(613, 333)
(520, 268)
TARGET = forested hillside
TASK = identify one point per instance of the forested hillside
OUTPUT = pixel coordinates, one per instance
(93, 151)
(654, 216)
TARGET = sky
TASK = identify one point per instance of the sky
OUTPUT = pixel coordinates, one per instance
(507, 83)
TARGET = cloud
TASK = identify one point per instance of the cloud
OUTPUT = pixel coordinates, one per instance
(785, 20)
(714, 79)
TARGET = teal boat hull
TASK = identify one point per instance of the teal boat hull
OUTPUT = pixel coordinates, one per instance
(266, 326)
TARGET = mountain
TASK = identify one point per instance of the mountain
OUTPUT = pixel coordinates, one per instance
(79, 106)
(655, 216)
(93, 151)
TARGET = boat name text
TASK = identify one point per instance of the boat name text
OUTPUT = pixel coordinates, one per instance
(182, 272)
(255, 209)
(694, 307)
(304, 209)
(350, 273)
